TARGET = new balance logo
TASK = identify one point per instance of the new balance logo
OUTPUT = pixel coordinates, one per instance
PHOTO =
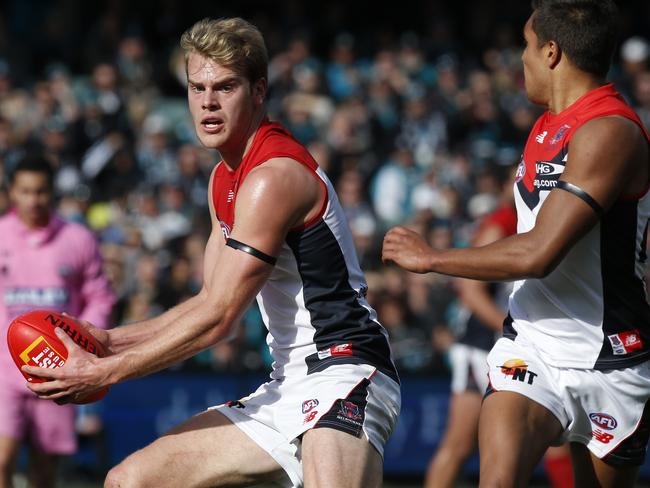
(540, 137)
(601, 436)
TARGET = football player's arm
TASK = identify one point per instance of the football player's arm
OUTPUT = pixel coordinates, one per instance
(271, 201)
(607, 158)
(475, 295)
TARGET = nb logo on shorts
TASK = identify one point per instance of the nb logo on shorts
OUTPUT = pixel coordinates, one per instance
(601, 436)
(311, 416)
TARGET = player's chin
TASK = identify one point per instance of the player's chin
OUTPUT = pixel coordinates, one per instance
(211, 141)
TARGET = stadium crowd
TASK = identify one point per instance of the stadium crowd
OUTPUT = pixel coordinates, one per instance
(413, 126)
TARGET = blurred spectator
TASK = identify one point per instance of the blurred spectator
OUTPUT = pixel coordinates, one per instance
(359, 216)
(155, 156)
(392, 187)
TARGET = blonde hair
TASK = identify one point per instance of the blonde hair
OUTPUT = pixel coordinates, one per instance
(233, 43)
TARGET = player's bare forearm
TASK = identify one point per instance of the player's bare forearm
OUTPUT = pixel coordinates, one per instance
(505, 260)
(561, 222)
(126, 336)
(190, 332)
(508, 259)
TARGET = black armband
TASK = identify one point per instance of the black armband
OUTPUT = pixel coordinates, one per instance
(580, 193)
(251, 250)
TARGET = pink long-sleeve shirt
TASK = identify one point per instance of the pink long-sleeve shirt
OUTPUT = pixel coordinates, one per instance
(57, 267)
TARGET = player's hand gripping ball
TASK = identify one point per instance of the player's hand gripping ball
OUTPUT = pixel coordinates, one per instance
(32, 341)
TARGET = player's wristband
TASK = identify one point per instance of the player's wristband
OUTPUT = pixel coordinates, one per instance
(251, 250)
(580, 193)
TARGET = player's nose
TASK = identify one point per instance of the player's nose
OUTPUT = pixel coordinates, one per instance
(209, 100)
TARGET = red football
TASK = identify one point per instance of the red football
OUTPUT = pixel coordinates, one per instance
(32, 341)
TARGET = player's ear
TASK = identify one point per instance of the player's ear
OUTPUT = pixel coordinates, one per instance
(553, 54)
(259, 90)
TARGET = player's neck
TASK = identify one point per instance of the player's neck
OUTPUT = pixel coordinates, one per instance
(233, 158)
(569, 87)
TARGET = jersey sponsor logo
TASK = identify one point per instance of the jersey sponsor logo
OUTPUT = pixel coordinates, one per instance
(231, 196)
(338, 350)
(52, 297)
(541, 136)
(225, 229)
(547, 174)
(309, 405)
(603, 420)
(518, 370)
(546, 168)
(521, 171)
(539, 183)
(601, 436)
(625, 342)
(559, 134)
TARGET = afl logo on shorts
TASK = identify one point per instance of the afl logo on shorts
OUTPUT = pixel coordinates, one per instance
(521, 171)
(603, 420)
(309, 405)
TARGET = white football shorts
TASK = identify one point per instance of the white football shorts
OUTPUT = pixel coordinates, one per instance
(604, 410)
(353, 398)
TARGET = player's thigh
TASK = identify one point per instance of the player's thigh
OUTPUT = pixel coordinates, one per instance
(514, 433)
(588, 470)
(332, 458)
(208, 450)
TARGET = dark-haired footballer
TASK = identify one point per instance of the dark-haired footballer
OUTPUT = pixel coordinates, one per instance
(573, 362)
